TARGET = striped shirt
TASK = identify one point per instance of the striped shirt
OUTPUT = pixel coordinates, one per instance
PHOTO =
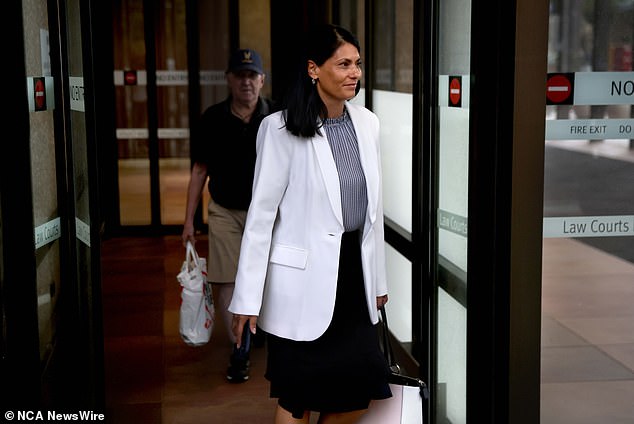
(345, 150)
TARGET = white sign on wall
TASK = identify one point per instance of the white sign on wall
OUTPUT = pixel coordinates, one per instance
(47, 232)
(604, 88)
(589, 129)
(170, 78)
(589, 226)
(76, 85)
(82, 231)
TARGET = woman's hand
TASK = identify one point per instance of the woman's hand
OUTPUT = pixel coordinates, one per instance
(238, 326)
(380, 301)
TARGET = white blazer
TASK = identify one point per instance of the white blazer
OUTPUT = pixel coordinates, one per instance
(289, 257)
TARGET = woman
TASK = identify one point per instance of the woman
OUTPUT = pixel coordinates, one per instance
(312, 262)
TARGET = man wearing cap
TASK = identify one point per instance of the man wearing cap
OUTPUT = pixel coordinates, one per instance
(223, 150)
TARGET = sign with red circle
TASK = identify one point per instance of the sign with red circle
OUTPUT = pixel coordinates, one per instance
(455, 91)
(560, 89)
(130, 77)
(39, 93)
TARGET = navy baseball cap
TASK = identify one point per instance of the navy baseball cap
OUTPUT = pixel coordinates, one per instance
(245, 59)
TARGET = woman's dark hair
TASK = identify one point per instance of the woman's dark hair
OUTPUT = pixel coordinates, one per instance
(302, 105)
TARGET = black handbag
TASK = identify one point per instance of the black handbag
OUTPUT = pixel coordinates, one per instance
(409, 394)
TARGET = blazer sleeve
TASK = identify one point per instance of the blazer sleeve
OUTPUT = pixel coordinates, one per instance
(272, 167)
(381, 286)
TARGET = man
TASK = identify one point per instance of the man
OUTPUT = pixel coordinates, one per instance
(223, 149)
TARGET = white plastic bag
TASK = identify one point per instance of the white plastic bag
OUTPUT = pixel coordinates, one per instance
(197, 314)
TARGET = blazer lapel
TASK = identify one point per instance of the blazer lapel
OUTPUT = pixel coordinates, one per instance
(329, 174)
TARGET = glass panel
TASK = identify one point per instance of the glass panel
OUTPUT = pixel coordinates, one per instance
(454, 40)
(173, 110)
(131, 112)
(392, 102)
(81, 292)
(452, 359)
(587, 350)
(393, 40)
(395, 111)
(399, 308)
(174, 177)
(213, 27)
(78, 130)
(44, 170)
(134, 188)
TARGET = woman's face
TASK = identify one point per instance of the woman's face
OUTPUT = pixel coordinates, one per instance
(337, 77)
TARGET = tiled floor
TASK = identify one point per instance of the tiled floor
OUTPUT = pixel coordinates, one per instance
(587, 335)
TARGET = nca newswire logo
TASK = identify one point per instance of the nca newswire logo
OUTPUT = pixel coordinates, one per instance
(53, 416)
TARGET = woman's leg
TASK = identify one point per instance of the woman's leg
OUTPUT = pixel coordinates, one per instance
(282, 416)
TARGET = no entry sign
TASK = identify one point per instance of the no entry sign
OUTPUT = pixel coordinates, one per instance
(129, 77)
(455, 91)
(39, 90)
(560, 89)
(41, 93)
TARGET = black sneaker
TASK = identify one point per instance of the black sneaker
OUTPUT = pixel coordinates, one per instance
(238, 371)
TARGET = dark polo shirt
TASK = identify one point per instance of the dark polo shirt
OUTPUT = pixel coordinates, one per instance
(227, 145)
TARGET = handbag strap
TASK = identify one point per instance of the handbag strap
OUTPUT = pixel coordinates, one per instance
(387, 346)
(191, 255)
(391, 360)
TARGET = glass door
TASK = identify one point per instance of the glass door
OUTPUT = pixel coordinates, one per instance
(392, 101)
(157, 95)
(587, 347)
(152, 111)
(83, 297)
(57, 308)
(452, 144)
(130, 76)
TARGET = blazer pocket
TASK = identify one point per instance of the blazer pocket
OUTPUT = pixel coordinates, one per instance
(289, 256)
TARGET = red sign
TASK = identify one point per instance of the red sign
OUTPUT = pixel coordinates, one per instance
(39, 92)
(455, 91)
(560, 89)
(130, 77)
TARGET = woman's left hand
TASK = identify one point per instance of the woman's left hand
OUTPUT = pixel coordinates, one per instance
(380, 301)
(238, 326)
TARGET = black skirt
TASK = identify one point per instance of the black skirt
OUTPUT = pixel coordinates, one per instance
(342, 370)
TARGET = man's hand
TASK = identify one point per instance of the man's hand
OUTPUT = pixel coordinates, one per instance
(188, 234)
